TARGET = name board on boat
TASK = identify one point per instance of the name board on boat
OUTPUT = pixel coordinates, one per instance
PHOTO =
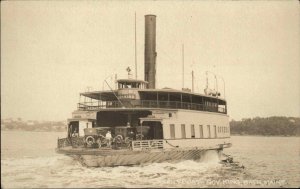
(85, 115)
(159, 114)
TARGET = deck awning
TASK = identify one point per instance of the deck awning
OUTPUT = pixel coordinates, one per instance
(156, 94)
(101, 95)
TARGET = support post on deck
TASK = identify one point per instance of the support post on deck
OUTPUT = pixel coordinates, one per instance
(168, 103)
(181, 100)
(157, 100)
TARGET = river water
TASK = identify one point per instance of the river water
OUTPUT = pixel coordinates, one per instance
(28, 160)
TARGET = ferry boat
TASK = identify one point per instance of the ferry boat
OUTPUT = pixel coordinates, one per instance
(135, 123)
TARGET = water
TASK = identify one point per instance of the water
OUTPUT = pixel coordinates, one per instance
(28, 160)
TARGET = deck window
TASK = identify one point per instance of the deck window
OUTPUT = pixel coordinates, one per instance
(193, 131)
(201, 131)
(215, 130)
(172, 130)
(208, 130)
(183, 135)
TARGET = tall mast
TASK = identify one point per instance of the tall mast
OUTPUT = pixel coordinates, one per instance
(192, 80)
(135, 45)
(182, 66)
(206, 80)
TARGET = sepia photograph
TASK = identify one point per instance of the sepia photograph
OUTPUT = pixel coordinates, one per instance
(150, 94)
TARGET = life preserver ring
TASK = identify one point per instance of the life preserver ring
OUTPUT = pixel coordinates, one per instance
(119, 139)
(90, 140)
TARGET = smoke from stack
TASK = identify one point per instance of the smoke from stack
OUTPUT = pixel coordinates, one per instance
(150, 50)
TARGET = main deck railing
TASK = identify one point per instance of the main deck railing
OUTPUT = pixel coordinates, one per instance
(147, 144)
(136, 144)
(152, 104)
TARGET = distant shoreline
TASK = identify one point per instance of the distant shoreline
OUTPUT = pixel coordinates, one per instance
(31, 131)
(266, 135)
(269, 126)
(279, 126)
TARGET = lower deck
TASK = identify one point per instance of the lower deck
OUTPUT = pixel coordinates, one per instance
(154, 124)
(76, 145)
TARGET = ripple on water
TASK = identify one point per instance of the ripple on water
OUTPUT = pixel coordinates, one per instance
(44, 168)
(62, 171)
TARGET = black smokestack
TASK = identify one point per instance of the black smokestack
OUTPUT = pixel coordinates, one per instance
(150, 50)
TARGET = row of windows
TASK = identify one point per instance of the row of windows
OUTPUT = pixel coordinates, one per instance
(223, 129)
(183, 132)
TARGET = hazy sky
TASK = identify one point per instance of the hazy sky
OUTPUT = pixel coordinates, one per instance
(52, 50)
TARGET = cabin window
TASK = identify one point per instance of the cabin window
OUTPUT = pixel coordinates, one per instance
(170, 114)
(201, 131)
(172, 130)
(193, 131)
(208, 130)
(215, 130)
(183, 135)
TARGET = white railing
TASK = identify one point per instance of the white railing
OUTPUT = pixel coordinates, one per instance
(147, 144)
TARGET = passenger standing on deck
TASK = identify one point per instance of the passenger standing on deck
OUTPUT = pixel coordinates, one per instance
(108, 138)
(75, 133)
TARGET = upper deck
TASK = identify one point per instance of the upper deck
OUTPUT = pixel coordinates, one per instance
(133, 94)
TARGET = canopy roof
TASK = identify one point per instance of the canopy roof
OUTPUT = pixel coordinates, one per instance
(110, 95)
(101, 95)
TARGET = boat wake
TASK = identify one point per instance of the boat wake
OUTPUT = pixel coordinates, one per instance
(63, 171)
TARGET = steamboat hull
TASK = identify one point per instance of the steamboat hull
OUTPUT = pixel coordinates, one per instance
(111, 158)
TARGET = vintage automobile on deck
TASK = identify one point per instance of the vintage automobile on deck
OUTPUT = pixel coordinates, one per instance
(95, 137)
(122, 136)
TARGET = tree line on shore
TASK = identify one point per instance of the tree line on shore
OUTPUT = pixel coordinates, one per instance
(34, 126)
(270, 126)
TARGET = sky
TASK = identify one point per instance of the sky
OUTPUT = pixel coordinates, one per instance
(53, 50)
